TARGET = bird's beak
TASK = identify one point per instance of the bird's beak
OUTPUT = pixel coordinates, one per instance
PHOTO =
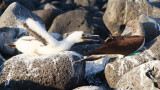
(11, 45)
(88, 38)
(127, 31)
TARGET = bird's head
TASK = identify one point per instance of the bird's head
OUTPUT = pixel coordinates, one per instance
(78, 36)
(133, 28)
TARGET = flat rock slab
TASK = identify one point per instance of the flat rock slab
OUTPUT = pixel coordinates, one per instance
(115, 69)
(58, 71)
(140, 78)
(118, 13)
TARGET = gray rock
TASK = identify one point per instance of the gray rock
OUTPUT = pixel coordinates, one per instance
(58, 71)
(75, 20)
(11, 28)
(56, 36)
(118, 13)
(89, 88)
(16, 13)
(115, 69)
(48, 15)
(155, 3)
(140, 77)
(2, 60)
(85, 3)
(9, 35)
(151, 27)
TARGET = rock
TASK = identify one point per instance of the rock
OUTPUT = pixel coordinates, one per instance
(2, 60)
(11, 21)
(115, 69)
(118, 13)
(58, 71)
(48, 6)
(9, 35)
(48, 15)
(56, 36)
(139, 77)
(29, 4)
(151, 27)
(3, 5)
(89, 88)
(16, 13)
(75, 20)
(155, 3)
(85, 3)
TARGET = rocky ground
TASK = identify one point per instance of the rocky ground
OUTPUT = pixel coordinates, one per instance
(96, 17)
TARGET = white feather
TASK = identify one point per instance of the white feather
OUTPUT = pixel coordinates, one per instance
(29, 45)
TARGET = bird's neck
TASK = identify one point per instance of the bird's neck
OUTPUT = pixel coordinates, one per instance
(66, 44)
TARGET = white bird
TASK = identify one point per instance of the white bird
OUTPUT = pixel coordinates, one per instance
(41, 42)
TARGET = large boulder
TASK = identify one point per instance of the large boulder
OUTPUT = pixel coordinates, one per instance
(151, 26)
(143, 77)
(48, 15)
(115, 69)
(10, 25)
(119, 12)
(75, 20)
(58, 71)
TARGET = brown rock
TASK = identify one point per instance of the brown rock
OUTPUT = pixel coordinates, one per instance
(139, 77)
(118, 67)
(58, 71)
(118, 13)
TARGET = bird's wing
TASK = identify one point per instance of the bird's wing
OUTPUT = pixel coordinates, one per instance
(119, 45)
(39, 32)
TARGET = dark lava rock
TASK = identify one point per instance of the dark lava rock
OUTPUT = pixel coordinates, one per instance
(58, 71)
(118, 13)
(48, 15)
(75, 20)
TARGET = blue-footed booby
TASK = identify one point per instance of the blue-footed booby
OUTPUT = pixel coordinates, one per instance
(41, 42)
(131, 40)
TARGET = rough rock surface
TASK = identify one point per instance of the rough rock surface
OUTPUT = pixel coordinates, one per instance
(85, 3)
(43, 72)
(48, 15)
(8, 35)
(89, 88)
(151, 27)
(75, 20)
(11, 28)
(16, 13)
(143, 77)
(118, 13)
(115, 69)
